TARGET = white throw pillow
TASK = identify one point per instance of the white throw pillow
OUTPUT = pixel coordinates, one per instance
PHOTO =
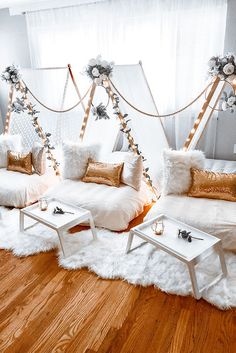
(75, 159)
(8, 142)
(132, 172)
(176, 170)
(39, 158)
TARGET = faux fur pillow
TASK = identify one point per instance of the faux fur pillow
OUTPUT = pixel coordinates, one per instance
(176, 170)
(8, 143)
(132, 173)
(39, 158)
(75, 159)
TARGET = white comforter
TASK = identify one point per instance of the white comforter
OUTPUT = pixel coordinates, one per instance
(111, 207)
(216, 217)
(19, 190)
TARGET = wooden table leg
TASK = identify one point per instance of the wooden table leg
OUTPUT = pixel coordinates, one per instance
(129, 243)
(193, 278)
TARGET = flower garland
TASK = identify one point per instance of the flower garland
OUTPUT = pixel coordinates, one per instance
(12, 76)
(99, 70)
(125, 129)
(229, 102)
(222, 66)
(100, 112)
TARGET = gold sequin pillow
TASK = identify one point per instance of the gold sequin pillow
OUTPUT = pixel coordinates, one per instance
(19, 162)
(213, 185)
(103, 173)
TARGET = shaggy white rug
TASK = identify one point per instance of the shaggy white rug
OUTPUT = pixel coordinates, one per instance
(106, 257)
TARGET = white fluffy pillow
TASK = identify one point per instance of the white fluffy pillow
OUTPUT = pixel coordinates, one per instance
(132, 172)
(8, 142)
(75, 159)
(39, 158)
(176, 170)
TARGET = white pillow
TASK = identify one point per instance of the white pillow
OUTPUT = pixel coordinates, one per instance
(39, 158)
(8, 142)
(176, 170)
(132, 172)
(75, 159)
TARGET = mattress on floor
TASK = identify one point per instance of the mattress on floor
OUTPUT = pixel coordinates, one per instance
(111, 207)
(217, 217)
(20, 190)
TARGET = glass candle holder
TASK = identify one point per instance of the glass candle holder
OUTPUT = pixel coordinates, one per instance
(158, 227)
(43, 204)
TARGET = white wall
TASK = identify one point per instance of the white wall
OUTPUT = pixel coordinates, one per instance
(14, 48)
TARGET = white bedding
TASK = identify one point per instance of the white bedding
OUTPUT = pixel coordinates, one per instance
(19, 190)
(111, 207)
(216, 217)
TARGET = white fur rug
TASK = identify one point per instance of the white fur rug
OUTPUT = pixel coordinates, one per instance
(106, 257)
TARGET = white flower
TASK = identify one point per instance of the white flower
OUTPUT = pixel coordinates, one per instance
(224, 105)
(95, 72)
(7, 75)
(98, 80)
(103, 77)
(231, 100)
(211, 63)
(214, 71)
(228, 69)
(92, 62)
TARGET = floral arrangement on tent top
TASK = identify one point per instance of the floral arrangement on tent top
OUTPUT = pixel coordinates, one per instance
(99, 70)
(222, 66)
(12, 76)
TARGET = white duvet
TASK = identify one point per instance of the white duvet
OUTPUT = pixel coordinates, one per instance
(216, 217)
(19, 190)
(111, 207)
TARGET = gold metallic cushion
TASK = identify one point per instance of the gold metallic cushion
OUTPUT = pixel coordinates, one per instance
(212, 185)
(103, 173)
(19, 162)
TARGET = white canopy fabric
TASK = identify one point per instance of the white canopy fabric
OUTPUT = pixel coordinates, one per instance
(56, 90)
(147, 131)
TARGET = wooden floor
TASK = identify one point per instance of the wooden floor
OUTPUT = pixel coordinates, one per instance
(44, 308)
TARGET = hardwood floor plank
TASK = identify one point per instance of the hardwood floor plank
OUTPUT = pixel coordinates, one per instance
(47, 309)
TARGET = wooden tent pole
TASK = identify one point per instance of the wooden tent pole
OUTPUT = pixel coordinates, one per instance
(87, 112)
(8, 115)
(75, 85)
(202, 113)
(129, 137)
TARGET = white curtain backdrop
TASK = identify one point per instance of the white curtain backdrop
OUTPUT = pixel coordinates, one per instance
(174, 39)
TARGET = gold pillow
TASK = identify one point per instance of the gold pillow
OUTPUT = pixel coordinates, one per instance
(212, 185)
(103, 173)
(19, 162)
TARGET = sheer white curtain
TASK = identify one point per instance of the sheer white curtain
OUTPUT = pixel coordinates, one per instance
(173, 38)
